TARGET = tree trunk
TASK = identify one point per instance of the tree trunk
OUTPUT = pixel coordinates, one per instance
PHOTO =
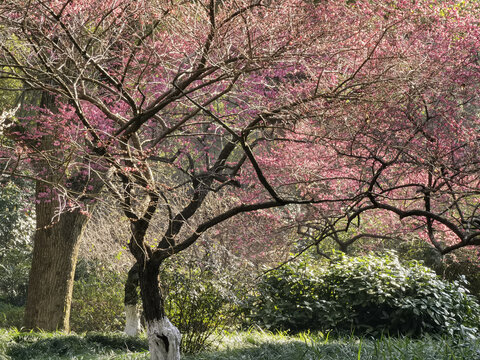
(132, 323)
(163, 340)
(55, 251)
(133, 326)
(163, 337)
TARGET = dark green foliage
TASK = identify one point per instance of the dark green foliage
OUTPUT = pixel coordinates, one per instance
(366, 295)
(287, 299)
(97, 303)
(16, 230)
(453, 266)
(463, 263)
(11, 315)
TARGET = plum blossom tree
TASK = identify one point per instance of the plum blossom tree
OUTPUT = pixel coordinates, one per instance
(410, 153)
(251, 104)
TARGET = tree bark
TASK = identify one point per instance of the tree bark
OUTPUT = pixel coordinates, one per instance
(163, 337)
(55, 252)
(132, 323)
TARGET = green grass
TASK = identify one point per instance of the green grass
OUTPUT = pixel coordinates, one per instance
(251, 345)
(267, 346)
(57, 346)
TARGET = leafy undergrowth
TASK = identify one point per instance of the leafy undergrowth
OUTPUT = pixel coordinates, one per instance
(252, 345)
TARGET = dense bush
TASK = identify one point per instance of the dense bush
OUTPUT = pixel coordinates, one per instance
(463, 263)
(460, 263)
(97, 303)
(367, 295)
(287, 299)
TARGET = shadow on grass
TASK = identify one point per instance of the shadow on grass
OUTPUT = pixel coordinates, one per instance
(36, 345)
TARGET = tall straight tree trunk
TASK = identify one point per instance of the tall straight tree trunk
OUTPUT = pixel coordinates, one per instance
(55, 252)
(163, 337)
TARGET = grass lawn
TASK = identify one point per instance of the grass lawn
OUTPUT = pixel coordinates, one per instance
(250, 345)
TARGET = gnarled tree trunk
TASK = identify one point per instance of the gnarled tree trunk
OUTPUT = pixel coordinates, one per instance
(163, 337)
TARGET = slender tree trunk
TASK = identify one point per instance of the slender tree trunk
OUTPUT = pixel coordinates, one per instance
(55, 251)
(132, 323)
(163, 337)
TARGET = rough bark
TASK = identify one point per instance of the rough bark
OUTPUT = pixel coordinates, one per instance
(56, 243)
(55, 251)
(163, 337)
(132, 323)
(163, 340)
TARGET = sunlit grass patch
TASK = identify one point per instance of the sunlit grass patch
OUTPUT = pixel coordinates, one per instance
(254, 345)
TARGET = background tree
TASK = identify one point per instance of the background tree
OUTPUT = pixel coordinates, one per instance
(57, 234)
(56, 240)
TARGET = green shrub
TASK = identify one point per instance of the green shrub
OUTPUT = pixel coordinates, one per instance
(452, 266)
(287, 299)
(367, 295)
(198, 301)
(97, 303)
(11, 315)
